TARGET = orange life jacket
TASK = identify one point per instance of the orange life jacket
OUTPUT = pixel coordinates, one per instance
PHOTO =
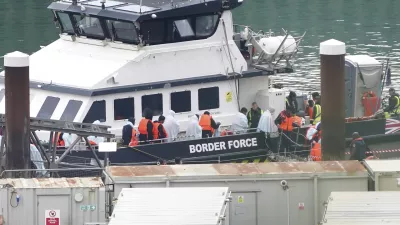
(297, 120)
(143, 126)
(134, 140)
(205, 122)
(287, 124)
(60, 142)
(309, 111)
(316, 152)
(155, 130)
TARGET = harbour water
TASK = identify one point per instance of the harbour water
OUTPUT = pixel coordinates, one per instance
(366, 26)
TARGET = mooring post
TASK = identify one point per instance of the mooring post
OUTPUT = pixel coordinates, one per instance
(332, 53)
(17, 112)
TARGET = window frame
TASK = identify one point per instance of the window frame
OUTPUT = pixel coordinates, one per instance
(105, 111)
(73, 32)
(91, 36)
(41, 110)
(111, 36)
(71, 101)
(190, 101)
(198, 98)
(162, 103)
(133, 109)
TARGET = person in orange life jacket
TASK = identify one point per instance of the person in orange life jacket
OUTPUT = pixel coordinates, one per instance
(208, 125)
(158, 129)
(291, 102)
(309, 109)
(253, 116)
(298, 119)
(285, 124)
(285, 120)
(146, 126)
(315, 153)
(358, 148)
(60, 140)
(127, 131)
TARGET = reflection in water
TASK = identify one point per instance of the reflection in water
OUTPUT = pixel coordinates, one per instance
(366, 26)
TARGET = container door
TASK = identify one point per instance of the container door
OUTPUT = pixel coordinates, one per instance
(243, 209)
(58, 203)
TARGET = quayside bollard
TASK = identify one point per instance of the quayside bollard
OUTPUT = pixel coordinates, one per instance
(332, 53)
(17, 113)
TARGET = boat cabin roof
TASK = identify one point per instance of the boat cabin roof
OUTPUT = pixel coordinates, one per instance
(132, 10)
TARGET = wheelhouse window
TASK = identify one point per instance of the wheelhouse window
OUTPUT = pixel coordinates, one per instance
(71, 110)
(48, 107)
(153, 31)
(153, 102)
(208, 98)
(206, 25)
(181, 101)
(89, 26)
(180, 30)
(124, 108)
(65, 23)
(122, 31)
(96, 112)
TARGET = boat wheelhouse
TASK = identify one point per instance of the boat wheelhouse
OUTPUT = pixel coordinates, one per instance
(115, 58)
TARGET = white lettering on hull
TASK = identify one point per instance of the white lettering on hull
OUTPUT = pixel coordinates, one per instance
(222, 145)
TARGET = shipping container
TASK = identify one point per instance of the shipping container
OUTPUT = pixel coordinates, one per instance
(263, 193)
(174, 206)
(362, 208)
(384, 175)
(52, 201)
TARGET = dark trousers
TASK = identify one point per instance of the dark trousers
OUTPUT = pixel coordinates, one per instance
(206, 133)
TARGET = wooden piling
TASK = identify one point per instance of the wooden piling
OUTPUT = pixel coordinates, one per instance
(332, 56)
(17, 113)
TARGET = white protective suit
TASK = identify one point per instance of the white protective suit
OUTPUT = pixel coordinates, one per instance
(311, 131)
(68, 139)
(266, 123)
(96, 140)
(240, 123)
(171, 126)
(194, 129)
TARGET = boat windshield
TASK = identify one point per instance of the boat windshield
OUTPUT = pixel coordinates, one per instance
(65, 22)
(89, 26)
(122, 31)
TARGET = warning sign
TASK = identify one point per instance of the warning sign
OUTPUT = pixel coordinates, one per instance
(52, 217)
(240, 199)
(228, 96)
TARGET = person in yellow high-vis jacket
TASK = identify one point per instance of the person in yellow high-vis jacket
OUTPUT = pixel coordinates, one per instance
(393, 109)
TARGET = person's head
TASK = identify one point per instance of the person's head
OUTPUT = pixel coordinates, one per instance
(207, 113)
(254, 106)
(148, 113)
(161, 119)
(311, 103)
(314, 95)
(318, 100)
(392, 92)
(355, 135)
(132, 120)
(243, 110)
(292, 94)
(289, 112)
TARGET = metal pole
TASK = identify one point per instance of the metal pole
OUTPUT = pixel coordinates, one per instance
(332, 54)
(17, 112)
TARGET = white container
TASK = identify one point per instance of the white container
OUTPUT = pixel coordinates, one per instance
(263, 193)
(70, 200)
(384, 174)
(362, 208)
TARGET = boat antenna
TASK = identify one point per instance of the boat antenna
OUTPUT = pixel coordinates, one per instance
(140, 7)
(102, 4)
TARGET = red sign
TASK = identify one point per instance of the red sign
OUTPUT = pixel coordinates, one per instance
(52, 217)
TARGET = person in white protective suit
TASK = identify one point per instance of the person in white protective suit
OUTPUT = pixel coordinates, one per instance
(171, 126)
(194, 129)
(266, 123)
(311, 131)
(94, 139)
(240, 123)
